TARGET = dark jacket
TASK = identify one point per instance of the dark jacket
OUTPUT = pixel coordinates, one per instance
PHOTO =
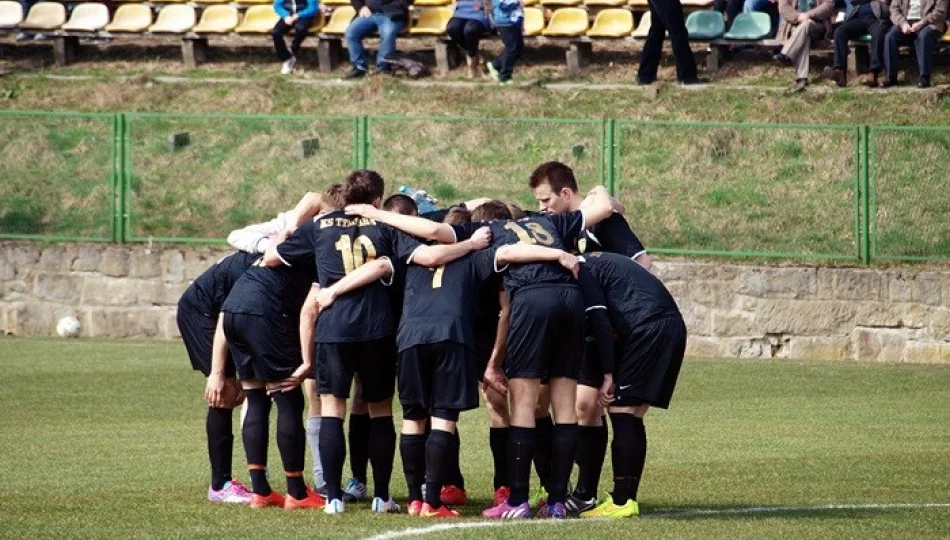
(397, 10)
(881, 9)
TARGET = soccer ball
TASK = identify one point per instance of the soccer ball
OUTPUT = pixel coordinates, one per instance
(68, 327)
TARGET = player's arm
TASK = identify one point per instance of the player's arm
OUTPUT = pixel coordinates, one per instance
(308, 207)
(255, 238)
(438, 255)
(214, 387)
(416, 226)
(597, 206)
(379, 269)
(308, 322)
(494, 376)
(528, 253)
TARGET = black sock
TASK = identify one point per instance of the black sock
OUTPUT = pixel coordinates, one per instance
(332, 455)
(292, 439)
(498, 441)
(255, 433)
(413, 451)
(591, 451)
(521, 447)
(563, 450)
(382, 452)
(453, 474)
(220, 445)
(628, 454)
(542, 450)
(439, 450)
(358, 435)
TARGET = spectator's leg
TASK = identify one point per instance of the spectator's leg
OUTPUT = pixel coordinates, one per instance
(355, 32)
(473, 33)
(513, 40)
(878, 31)
(652, 47)
(924, 45)
(733, 8)
(675, 22)
(301, 30)
(848, 30)
(455, 29)
(278, 33)
(891, 59)
(797, 47)
(388, 30)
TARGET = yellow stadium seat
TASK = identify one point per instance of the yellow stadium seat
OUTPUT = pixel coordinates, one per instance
(555, 3)
(44, 16)
(946, 37)
(174, 19)
(644, 27)
(533, 21)
(11, 14)
(605, 3)
(89, 17)
(339, 21)
(612, 23)
(697, 3)
(257, 2)
(335, 2)
(431, 22)
(131, 18)
(567, 22)
(432, 3)
(169, 1)
(258, 20)
(531, 2)
(217, 20)
(638, 3)
(211, 2)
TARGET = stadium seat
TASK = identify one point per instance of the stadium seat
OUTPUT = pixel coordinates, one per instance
(697, 3)
(605, 3)
(174, 19)
(432, 3)
(612, 23)
(839, 18)
(258, 2)
(705, 25)
(556, 3)
(131, 18)
(89, 17)
(217, 20)
(945, 38)
(431, 22)
(750, 26)
(533, 21)
(258, 20)
(339, 21)
(567, 22)
(531, 2)
(638, 4)
(44, 16)
(211, 2)
(168, 1)
(644, 27)
(335, 2)
(11, 14)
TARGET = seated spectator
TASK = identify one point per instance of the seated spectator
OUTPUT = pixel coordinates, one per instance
(466, 27)
(297, 15)
(729, 8)
(917, 22)
(508, 16)
(802, 22)
(388, 18)
(867, 17)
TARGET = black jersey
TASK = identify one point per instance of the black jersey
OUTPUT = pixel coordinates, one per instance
(554, 231)
(338, 244)
(634, 295)
(612, 234)
(598, 331)
(207, 292)
(271, 292)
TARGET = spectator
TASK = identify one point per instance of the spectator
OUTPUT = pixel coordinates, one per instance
(388, 18)
(867, 17)
(802, 22)
(667, 15)
(297, 15)
(466, 27)
(920, 22)
(508, 16)
(730, 9)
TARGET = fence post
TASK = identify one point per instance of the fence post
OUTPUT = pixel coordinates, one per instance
(865, 174)
(611, 129)
(125, 177)
(364, 142)
(114, 204)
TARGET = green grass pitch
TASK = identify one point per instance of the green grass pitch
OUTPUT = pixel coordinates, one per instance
(104, 439)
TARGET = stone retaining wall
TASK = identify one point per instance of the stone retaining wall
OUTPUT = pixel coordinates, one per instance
(748, 311)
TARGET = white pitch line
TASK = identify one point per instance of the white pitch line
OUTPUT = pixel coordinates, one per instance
(413, 532)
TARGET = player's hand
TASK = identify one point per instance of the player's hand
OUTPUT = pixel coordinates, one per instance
(569, 262)
(495, 379)
(907, 28)
(803, 18)
(325, 298)
(214, 390)
(288, 20)
(481, 238)
(296, 379)
(362, 210)
(607, 390)
(365, 12)
(917, 26)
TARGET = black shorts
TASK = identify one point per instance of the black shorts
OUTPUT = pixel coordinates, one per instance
(484, 344)
(374, 362)
(197, 331)
(546, 335)
(648, 363)
(438, 376)
(589, 373)
(263, 348)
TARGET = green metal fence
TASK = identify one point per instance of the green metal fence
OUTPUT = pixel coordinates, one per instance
(845, 193)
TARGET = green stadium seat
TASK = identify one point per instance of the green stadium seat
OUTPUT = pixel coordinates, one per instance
(567, 22)
(258, 20)
(750, 27)
(866, 38)
(217, 20)
(87, 17)
(432, 22)
(612, 23)
(533, 21)
(11, 14)
(174, 19)
(44, 16)
(131, 18)
(705, 25)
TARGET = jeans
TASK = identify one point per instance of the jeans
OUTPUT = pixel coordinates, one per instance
(924, 43)
(363, 26)
(301, 28)
(466, 33)
(855, 28)
(513, 39)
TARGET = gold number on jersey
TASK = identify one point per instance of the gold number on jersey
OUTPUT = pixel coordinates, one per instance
(437, 277)
(353, 255)
(537, 234)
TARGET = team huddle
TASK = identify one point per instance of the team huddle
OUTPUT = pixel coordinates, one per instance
(554, 317)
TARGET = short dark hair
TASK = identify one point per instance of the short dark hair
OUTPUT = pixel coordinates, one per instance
(457, 215)
(555, 174)
(516, 211)
(363, 186)
(332, 198)
(491, 211)
(401, 204)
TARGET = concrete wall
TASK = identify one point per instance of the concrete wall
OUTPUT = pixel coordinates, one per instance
(886, 315)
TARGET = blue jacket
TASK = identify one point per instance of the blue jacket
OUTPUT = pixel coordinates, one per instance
(304, 9)
(507, 12)
(473, 10)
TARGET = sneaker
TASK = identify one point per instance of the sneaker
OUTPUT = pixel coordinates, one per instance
(333, 507)
(440, 512)
(506, 82)
(354, 490)
(312, 500)
(539, 499)
(576, 505)
(385, 507)
(322, 491)
(354, 73)
(415, 507)
(453, 496)
(39, 37)
(553, 511)
(504, 511)
(288, 66)
(501, 495)
(22, 36)
(274, 499)
(493, 71)
(610, 510)
(233, 492)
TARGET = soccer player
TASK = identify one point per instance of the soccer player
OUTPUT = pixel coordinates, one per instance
(356, 337)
